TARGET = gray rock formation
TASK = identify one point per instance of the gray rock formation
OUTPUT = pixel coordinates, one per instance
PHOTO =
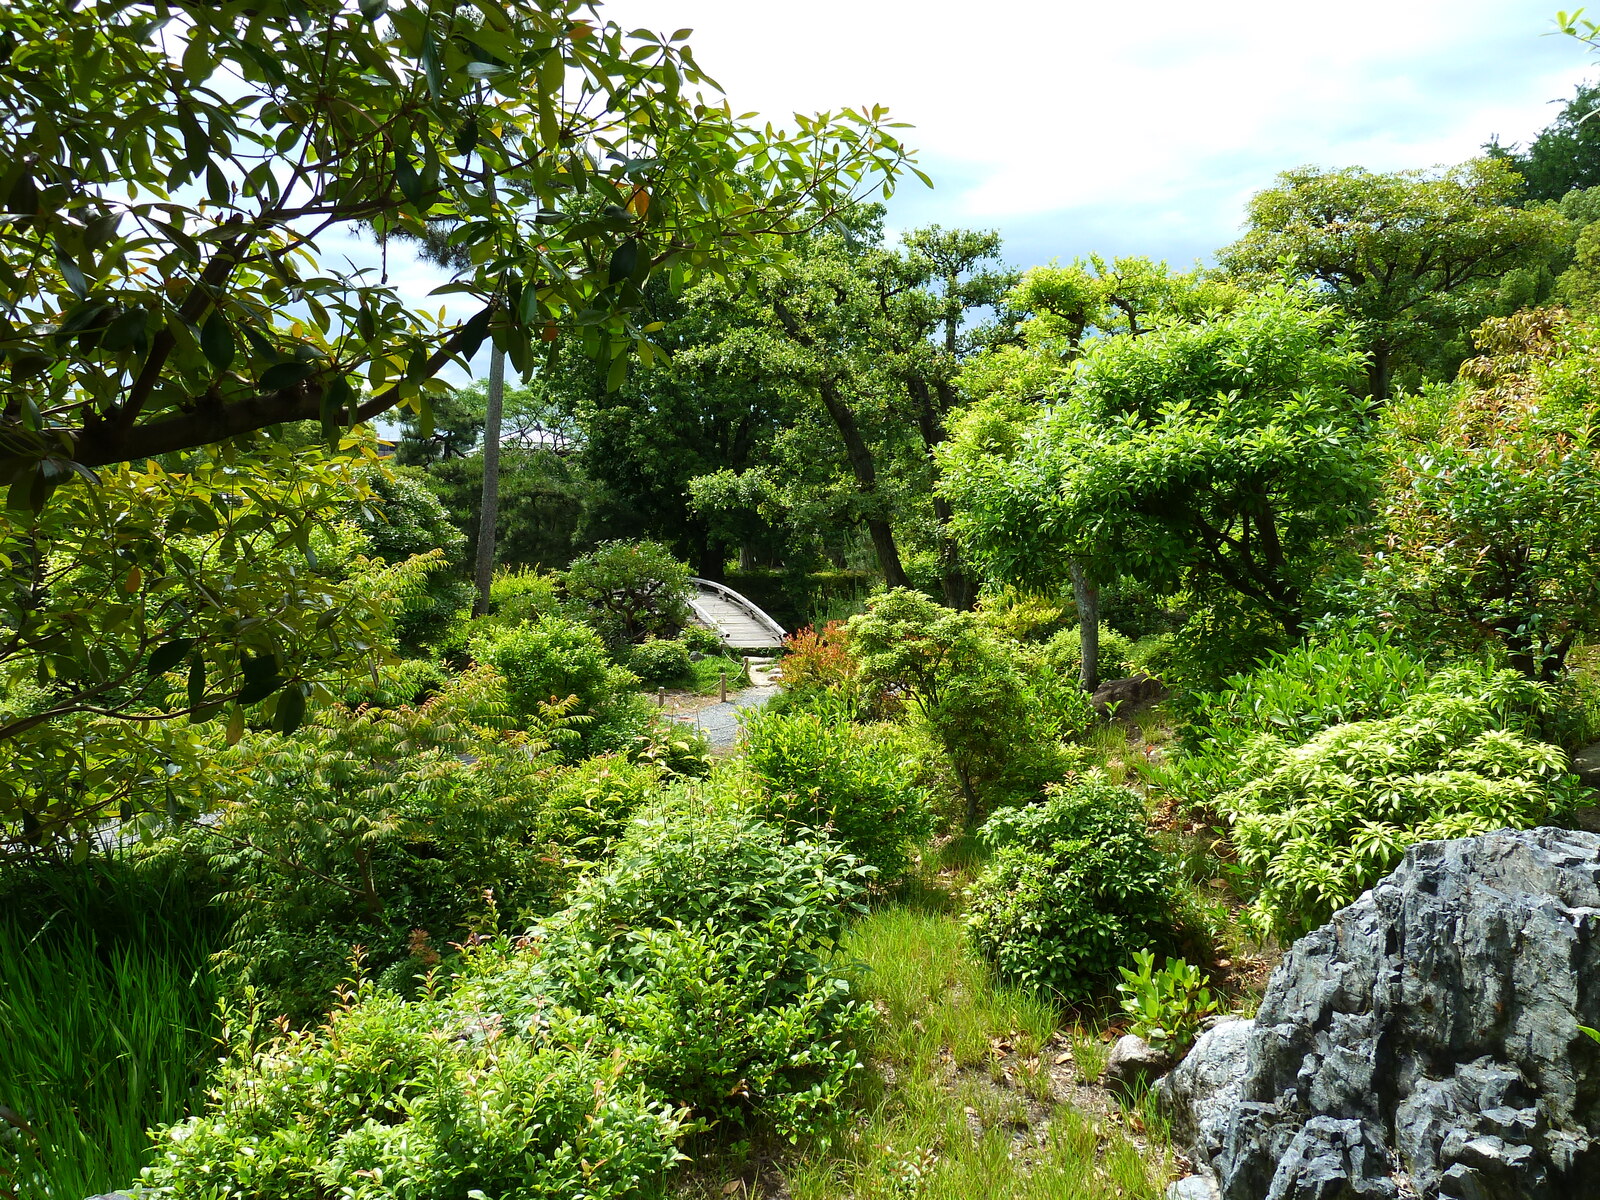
(1134, 1062)
(1127, 696)
(1424, 1042)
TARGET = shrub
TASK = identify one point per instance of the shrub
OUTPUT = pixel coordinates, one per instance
(402, 519)
(1062, 655)
(1166, 1007)
(629, 591)
(555, 658)
(588, 805)
(701, 640)
(1349, 675)
(968, 687)
(521, 594)
(427, 1099)
(704, 950)
(1317, 823)
(380, 827)
(1074, 888)
(838, 777)
(409, 681)
(820, 659)
(660, 662)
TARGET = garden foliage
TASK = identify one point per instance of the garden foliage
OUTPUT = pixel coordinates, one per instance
(1320, 811)
(1075, 887)
(853, 782)
(688, 986)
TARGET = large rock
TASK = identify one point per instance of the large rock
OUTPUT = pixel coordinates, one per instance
(1123, 697)
(1424, 1042)
(1134, 1063)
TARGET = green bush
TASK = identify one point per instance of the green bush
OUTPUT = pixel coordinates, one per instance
(845, 779)
(522, 594)
(383, 827)
(705, 946)
(701, 640)
(409, 681)
(968, 687)
(660, 662)
(1075, 887)
(427, 1099)
(1319, 821)
(555, 658)
(629, 591)
(588, 805)
(1062, 654)
(405, 518)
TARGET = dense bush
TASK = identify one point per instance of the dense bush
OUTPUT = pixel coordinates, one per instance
(402, 519)
(588, 805)
(523, 594)
(1075, 887)
(851, 781)
(660, 662)
(1349, 675)
(968, 687)
(629, 591)
(1319, 821)
(552, 659)
(1062, 654)
(434, 1098)
(401, 830)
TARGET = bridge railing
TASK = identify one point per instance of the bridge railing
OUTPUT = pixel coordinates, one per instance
(721, 591)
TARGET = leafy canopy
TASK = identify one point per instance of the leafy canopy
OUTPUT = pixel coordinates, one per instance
(169, 168)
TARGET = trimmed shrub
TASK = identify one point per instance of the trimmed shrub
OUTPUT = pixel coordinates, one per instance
(546, 662)
(629, 591)
(850, 781)
(660, 662)
(1075, 887)
(588, 805)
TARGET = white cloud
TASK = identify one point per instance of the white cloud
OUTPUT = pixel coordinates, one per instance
(1164, 115)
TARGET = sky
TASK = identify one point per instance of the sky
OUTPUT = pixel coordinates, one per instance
(1122, 128)
(1137, 128)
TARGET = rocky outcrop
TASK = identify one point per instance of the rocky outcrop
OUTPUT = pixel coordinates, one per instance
(1121, 697)
(1426, 1041)
(1134, 1063)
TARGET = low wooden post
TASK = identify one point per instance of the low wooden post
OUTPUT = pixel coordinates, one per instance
(661, 697)
(722, 690)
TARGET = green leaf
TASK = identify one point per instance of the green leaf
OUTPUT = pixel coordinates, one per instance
(164, 658)
(373, 9)
(261, 678)
(285, 374)
(291, 709)
(129, 329)
(430, 64)
(72, 273)
(335, 405)
(216, 341)
(466, 139)
(624, 262)
(473, 333)
(197, 684)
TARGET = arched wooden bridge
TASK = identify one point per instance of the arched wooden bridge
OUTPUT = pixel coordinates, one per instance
(734, 618)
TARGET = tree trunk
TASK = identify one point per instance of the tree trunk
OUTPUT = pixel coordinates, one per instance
(866, 476)
(1378, 372)
(489, 517)
(1087, 599)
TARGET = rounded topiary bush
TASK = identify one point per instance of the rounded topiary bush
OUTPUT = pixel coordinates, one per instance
(660, 662)
(1076, 885)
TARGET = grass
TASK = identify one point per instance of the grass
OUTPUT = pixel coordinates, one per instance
(707, 675)
(108, 1009)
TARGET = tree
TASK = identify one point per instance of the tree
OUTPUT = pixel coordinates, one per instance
(1218, 457)
(169, 167)
(1564, 155)
(1416, 257)
(138, 610)
(630, 591)
(1492, 506)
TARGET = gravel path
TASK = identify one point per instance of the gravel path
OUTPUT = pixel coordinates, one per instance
(720, 722)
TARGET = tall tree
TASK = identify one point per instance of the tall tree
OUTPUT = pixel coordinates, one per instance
(1217, 457)
(1564, 155)
(1417, 257)
(161, 285)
